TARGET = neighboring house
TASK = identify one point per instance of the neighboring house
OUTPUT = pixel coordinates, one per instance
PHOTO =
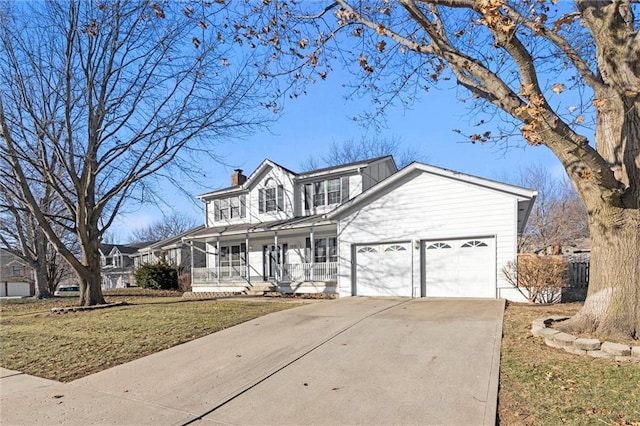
(180, 255)
(361, 229)
(117, 265)
(16, 276)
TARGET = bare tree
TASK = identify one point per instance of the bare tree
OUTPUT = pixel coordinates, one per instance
(350, 151)
(112, 92)
(558, 217)
(171, 225)
(21, 235)
(546, 69)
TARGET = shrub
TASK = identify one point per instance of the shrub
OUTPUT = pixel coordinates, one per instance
(184, 282)
(539, 279)
(158, 276)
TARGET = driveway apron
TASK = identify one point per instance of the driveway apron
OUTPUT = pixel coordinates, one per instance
(350, 361)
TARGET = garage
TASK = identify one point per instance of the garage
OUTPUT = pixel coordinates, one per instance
(460, 267)
(383, 269)
(458, 232)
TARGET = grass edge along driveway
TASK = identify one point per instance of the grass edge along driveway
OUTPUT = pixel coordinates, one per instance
(69, 346)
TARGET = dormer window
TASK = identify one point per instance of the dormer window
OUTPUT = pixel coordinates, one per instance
(271, 197)
(326, 192)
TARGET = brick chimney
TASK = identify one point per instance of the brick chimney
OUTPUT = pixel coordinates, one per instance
(237, 178)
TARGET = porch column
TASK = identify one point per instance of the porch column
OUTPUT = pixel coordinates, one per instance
(218, 259)
(313, 254)
(191, 247)
(275, 243)
(246, 259)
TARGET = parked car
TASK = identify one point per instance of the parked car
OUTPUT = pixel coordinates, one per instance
(67, 290)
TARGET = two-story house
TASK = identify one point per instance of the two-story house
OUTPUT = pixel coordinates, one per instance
(362, 228)
(272, 228)
(117, 265)
(16, 276)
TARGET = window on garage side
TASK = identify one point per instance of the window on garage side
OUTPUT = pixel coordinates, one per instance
(474, 243)
(438, 246)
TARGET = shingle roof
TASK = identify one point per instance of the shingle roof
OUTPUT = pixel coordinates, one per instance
(259, 227)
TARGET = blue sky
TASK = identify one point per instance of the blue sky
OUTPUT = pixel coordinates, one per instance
(310, 123)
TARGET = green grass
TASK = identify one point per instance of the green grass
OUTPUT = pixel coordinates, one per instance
(540, 385)
(68, 346)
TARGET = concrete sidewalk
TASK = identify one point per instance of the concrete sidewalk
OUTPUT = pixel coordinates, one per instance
(354, 360)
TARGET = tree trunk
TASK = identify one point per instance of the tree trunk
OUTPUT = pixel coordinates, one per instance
(41, 284)
(41, 267)
(91, 283)
(612, 307)
(91, 277)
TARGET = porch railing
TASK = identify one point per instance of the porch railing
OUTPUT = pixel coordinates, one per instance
(290, 272)
(311, 272)
(225, 273)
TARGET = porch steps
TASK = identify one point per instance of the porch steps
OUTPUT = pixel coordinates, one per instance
(259, 289)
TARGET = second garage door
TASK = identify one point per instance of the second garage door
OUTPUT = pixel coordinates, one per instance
(383, 270)
(460, 268)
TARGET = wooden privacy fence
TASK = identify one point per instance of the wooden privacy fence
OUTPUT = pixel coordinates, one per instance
(578, 274)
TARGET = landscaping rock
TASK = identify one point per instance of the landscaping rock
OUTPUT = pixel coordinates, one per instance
(599, 354)
(564, 339)
(548, 332)
(616, 349)
(540, 322)
(574, 350)
(635, 352)
(625, 359)
(587, 344)
(536, 331)
(549, 341)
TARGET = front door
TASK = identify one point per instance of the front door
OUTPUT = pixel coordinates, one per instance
(274, 259)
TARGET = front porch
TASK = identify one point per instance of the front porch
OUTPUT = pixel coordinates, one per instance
(298, 261)
(290, 278)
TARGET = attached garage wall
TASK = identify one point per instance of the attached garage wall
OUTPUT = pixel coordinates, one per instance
(427, 207)
(383, 270)
(15, 289)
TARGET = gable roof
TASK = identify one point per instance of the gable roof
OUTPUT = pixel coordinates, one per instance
(352, 165)
(106, 249)
(526, 197)
(245, 186)
(168, 241)
(268, 163)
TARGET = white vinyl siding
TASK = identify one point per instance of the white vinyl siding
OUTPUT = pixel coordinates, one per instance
(430, 207)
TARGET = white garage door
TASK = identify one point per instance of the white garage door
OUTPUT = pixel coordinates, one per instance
(383, 270)
(460, 268)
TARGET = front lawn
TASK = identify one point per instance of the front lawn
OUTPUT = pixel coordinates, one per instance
(68, 346)
(540, 385)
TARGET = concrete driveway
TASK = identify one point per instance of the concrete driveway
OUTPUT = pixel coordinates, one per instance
(350, 361)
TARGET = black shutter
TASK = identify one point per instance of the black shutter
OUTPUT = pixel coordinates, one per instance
(308, 196)
(243, 205)
(280, 198)
(216, 210)
(345, 189)
(261, 201)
